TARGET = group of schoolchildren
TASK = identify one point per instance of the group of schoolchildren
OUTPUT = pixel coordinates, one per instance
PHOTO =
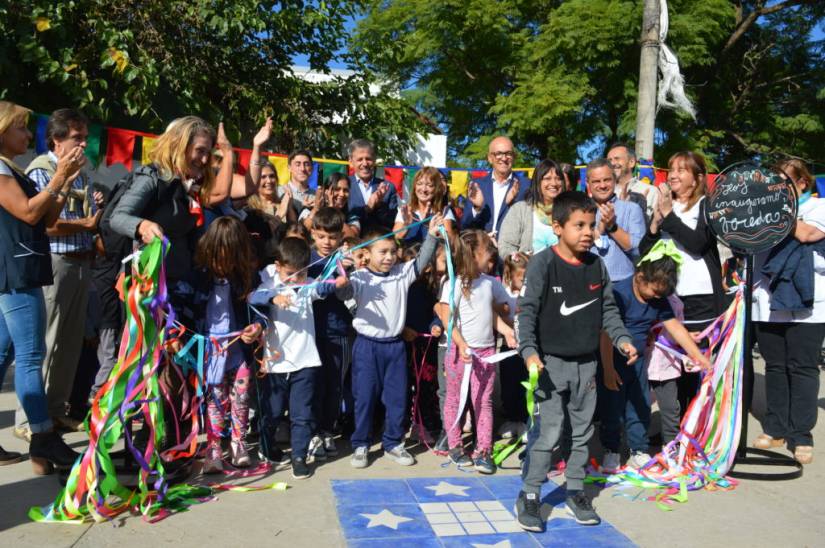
(553, 307)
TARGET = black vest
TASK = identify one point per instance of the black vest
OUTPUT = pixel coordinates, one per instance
(24, 248)
(570, 320)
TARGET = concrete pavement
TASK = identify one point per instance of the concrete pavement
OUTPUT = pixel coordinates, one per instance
(785, 513)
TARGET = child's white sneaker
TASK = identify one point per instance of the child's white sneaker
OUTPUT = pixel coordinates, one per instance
(400, 455)
(316, 448)
(360, 457)
(329, 445)
(611, 462)
(638, 459)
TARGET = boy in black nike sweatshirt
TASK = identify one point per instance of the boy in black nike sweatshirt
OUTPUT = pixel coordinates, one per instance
(565, 302)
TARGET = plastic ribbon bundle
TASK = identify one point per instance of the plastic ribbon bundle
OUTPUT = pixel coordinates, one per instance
(705, 448)
(133, 391)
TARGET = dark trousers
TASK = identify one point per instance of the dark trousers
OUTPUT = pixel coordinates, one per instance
(334, 399)
(791, 353)
(379, 372)
(296, 391)
(629, 406)
(667, 397)
(512, 373)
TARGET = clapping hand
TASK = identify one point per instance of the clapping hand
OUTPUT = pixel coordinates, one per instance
(665, 203)
(475, 196)
(377, 197)
(512, 194)
(263, 134)
(222, 141)
(406, 215)
(608, 217)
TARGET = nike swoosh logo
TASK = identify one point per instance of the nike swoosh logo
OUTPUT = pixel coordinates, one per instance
(565, 311)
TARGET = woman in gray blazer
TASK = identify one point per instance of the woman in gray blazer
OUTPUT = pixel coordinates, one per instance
(528, 225)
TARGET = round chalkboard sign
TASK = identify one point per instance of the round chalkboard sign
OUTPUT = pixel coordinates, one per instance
(751, 208)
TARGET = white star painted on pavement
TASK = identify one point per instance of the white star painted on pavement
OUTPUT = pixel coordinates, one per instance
(385, 518)
(502, 544)
(444, 488)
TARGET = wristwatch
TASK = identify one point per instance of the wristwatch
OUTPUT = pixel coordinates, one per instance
(613, 228)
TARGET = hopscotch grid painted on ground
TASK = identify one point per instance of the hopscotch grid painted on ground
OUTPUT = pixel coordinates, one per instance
(454, 511)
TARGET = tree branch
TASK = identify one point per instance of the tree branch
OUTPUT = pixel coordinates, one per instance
(744, 24)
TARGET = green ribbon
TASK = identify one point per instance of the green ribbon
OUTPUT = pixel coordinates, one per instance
(662, 249)
(504, 448)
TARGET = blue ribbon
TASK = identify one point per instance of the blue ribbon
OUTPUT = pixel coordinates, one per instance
(451, 278)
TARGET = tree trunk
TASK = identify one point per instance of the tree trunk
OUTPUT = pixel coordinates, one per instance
(648, 76)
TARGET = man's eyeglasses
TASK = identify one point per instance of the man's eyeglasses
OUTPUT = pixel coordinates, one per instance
(498, 155)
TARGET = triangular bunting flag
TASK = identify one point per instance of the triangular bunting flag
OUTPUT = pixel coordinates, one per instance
(120, 146)
(146, 146)
(93, 144)
(459, 180)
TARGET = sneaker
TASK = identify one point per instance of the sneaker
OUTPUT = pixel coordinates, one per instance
(329, 446)
(273, 456)
(483, 463)
(22, 433)
(611, 462)
(527, 512)
(360, 457)
(240, 454)
(213, 463)
(442, 446)
(638, 459)
(459, 458)
(400, 455)
(316, 448)
(300, 470)
(9, 457)
(580, 507)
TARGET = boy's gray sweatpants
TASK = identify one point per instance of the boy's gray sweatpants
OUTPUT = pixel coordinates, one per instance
(563, 385)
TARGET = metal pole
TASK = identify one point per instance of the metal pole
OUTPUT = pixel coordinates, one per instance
(747, 371)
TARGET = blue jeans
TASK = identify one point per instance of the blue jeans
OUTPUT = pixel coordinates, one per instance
(23, 341)
(293, 392)
(628, 407)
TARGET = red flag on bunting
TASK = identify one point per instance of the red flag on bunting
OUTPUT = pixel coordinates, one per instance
(661, 176)
(479, 173)
(242, 156)
(711, 181)
(395, 175)
(120, 146)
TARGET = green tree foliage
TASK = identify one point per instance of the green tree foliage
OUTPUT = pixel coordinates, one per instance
(556, 75)
(143, 62)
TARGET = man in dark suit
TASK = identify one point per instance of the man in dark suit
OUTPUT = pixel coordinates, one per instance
(490, 197)
(372, 200)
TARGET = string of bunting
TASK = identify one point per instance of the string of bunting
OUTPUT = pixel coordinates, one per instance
(122, 146)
